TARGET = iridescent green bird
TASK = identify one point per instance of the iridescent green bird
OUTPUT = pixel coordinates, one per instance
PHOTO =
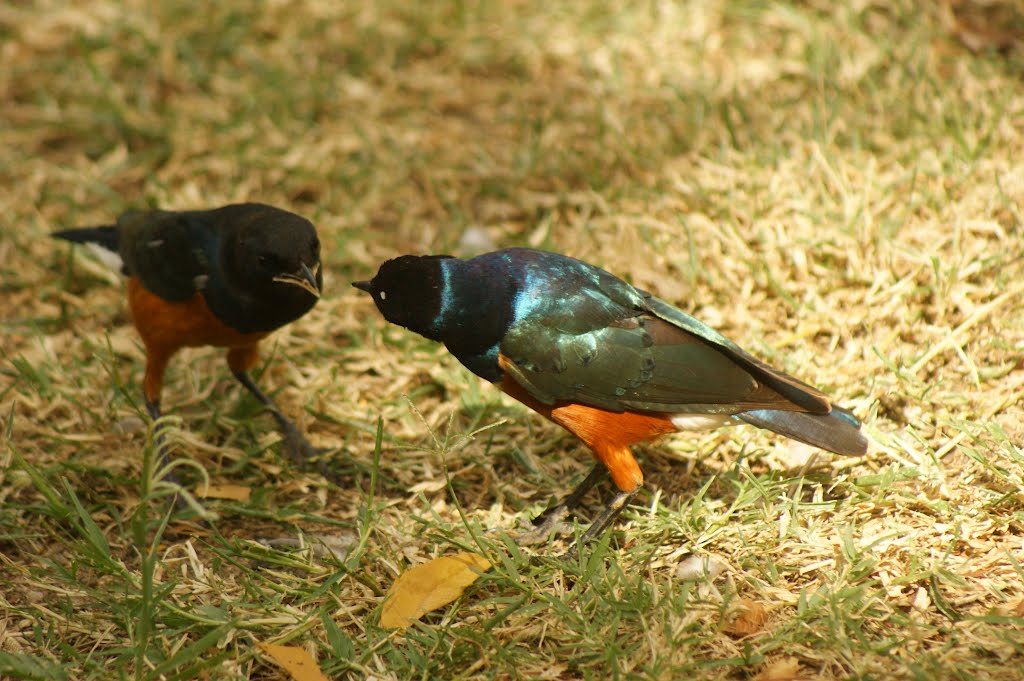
(611, 364)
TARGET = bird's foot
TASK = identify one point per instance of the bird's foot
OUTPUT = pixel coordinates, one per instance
(551, 520)
(296, 446)
(557, 511)
(543, 526)
(302, 453)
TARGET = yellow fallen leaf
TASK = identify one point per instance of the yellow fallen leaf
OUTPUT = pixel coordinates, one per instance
(429, 586)
(296, 661)
(235, 492)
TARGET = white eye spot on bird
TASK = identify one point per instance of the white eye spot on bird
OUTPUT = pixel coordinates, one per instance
(156, 243)
(383, 295)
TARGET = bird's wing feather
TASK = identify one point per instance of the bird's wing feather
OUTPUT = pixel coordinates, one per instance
(629, 351)
(165, 250)
(801, 394)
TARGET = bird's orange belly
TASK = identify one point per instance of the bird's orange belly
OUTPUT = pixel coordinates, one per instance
(608, 434)
(168, 325)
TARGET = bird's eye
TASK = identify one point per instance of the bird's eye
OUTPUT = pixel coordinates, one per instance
(265, 260)
(383, 295)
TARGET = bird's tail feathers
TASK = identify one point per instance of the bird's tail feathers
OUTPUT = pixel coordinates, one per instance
(838, 431)
(101, 240)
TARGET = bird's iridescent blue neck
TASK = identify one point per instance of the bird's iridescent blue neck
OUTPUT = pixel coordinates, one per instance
(447, 306)
(475, 311)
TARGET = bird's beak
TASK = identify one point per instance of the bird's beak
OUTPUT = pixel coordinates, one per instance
(362, 285)
(304, 279)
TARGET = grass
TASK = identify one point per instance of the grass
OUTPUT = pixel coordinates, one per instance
(837, 187)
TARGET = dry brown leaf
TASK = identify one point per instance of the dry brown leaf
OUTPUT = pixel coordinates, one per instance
(786, 669)
(296, 661)
(233, 492)
(750, 618)
(429, 586)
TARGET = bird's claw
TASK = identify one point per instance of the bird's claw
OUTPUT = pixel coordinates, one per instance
(298, 448)
(543, 519)
(548, 522)
(302, 453)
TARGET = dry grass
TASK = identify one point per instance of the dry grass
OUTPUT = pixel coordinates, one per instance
(839, 188)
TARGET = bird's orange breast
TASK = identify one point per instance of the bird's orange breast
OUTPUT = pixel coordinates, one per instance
(167, 325)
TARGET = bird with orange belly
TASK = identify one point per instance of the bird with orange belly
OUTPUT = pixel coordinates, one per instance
(611, 364)
(225, 277)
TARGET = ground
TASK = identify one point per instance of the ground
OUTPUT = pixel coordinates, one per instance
(837, 187)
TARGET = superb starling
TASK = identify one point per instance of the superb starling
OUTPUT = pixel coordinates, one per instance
(610, 363)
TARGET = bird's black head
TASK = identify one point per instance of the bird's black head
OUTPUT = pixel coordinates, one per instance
(409, 291)
(273, 252)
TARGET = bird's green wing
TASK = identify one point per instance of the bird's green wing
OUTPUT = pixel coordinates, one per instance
(796, 391)
(624, 350)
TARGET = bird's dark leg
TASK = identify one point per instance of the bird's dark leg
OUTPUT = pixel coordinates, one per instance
(153, 407)
(296, 446)
(608, 515)
(551, 517)
(603, 521)
(573, 499)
